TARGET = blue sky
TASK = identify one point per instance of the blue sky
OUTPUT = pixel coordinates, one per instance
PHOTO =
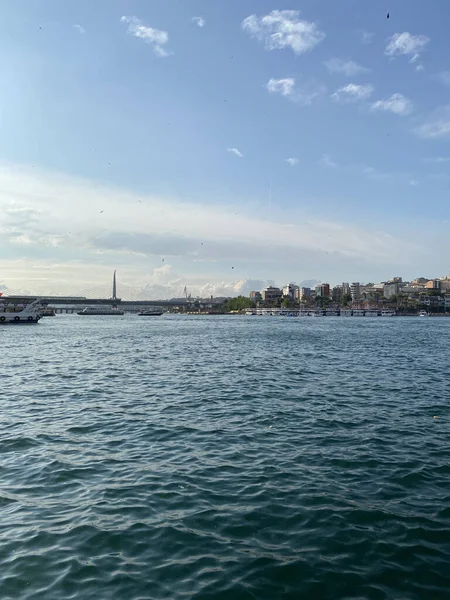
(177, 120)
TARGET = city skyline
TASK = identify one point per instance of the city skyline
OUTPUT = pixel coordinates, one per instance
(222, 147)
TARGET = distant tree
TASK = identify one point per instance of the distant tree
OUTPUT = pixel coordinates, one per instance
(239, 303)
(323, 301)
(346, 298)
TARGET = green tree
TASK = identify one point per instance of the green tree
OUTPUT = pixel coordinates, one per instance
(323, 301)
(239, 303)
(346, 298)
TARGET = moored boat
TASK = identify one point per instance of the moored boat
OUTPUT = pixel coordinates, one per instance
(150, 313)
(20, 314)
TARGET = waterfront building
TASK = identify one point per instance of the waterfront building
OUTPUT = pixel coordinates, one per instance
(289, 291)
(323, 290)
(305, 293)
(433, 301)
(271, 293)
(391, 289)
(433, 284)
(355, 291)
(445, 284)
(255, 296)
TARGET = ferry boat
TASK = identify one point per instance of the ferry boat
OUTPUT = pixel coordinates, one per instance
(101, 311)
(20, 314)
(150, 313)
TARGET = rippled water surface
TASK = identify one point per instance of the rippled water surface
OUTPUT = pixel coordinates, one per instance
(222, 457)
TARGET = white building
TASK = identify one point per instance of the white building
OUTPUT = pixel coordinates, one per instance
(291, 291)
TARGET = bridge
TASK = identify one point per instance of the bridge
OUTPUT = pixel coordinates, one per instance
(130, 299)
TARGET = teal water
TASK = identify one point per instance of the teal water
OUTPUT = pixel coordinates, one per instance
(225, 458)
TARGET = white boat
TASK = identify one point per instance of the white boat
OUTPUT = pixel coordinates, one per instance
(423, 313)
(101, 311)
(20, 314)
(388, 313)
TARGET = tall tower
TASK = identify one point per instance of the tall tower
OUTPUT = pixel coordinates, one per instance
(114, 295)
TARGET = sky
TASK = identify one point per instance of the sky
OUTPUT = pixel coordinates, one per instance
(224, 145)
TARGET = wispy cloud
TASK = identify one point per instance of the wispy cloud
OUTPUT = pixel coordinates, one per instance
(374, 173)
(327, 161)
(155, 37)
(283, 29)
(80, 29)
(353, 92)
(437, 160)
(292, 162)
(437, 125)
(285, 86)
(349, 68)
(200, 21)
(366, 37)
(82, 230)
(236, 152)
(303, 93)
(397, 104)
(406, 44)
(444, 77)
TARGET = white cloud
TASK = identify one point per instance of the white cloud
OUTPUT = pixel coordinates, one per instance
(437, 160)
(353, 92)
(407, 45)
(327, 161)
(292, 162)
(366, 37)
(80, 29)
(349, 68)
(236, 152)
(304, 93)
(437, 125)
(397, 104)
(155, 37)
(285, 87)
(70, 233)
(444, 78)
(200, 21)
(283, 29)
(374, 173)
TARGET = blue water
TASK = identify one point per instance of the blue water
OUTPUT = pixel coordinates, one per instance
(225, 458)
